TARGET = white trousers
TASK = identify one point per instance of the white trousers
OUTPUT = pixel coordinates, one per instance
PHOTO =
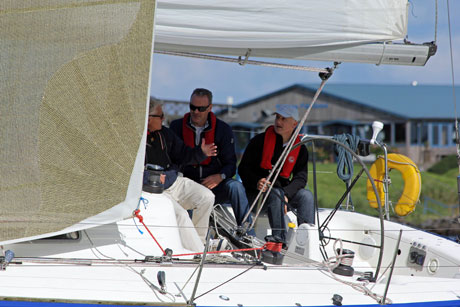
(193, 196)
(188, 235)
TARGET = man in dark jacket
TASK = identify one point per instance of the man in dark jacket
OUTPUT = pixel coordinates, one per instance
(165, 149)
(216, 172)
(262, 152)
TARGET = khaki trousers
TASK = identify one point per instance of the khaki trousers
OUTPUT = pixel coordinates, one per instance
(188, 235)
(193, 196)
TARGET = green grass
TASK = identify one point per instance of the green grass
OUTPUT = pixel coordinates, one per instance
(442, 188)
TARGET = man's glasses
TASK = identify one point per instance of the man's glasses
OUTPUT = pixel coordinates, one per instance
(201, 109)
(161, 116)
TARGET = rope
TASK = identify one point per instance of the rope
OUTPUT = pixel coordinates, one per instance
(141, 220)
(344, 158)
(224, 251)
(145, 202)
(334, 261)
(402, 163)
(242, 62)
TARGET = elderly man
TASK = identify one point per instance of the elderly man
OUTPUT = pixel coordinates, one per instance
(165, 149)
(216, 172)
(262, 152)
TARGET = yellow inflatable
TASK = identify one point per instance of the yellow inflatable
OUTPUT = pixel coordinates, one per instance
(411, 176)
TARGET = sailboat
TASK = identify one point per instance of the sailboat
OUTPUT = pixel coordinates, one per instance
(76, 227)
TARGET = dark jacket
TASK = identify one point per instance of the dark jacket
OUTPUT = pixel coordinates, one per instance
(165, 149)
(251, 172)
(223, 163)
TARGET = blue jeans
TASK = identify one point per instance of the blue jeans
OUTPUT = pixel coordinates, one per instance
(302, 201)
(233, 192)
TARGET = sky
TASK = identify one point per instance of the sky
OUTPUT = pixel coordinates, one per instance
(175, 77)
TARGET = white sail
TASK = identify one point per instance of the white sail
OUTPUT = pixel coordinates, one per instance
(301, 29)
(74, 80)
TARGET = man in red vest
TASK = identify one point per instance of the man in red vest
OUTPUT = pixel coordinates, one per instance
(262, 152)
(216, 172)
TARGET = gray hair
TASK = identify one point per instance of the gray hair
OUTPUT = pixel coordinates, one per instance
(153, 104)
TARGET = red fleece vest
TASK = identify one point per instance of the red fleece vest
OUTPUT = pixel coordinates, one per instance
(189, 135)
(269, 148)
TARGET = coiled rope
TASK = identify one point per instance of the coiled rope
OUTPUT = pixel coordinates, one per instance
(344, 158)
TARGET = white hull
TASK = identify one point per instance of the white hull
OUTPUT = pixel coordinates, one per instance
(101, 267)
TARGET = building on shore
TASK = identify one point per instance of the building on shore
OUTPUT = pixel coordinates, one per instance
(419, 121)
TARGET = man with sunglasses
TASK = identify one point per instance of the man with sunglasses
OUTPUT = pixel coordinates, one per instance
(165, 149)
(216, 172)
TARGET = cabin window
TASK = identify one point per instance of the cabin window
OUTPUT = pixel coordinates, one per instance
(400, 133)
(414, 133)
(424, 134)
(385, 135)
(435, 140)
(444, 135)
(454, 134)
(441, 134)
(311, 129)
(418, 134)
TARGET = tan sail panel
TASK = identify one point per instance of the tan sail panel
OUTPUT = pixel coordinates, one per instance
(74, 78)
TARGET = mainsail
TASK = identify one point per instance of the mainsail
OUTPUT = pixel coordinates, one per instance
(335, 30)
(74, 84)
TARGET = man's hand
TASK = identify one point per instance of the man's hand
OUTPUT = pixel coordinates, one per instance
(209, 150)
(285, 206)
(261, 183)
(212, 181)
(162, 178)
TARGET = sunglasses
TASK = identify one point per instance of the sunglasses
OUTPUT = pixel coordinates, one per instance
(161, 116)
(200, 109)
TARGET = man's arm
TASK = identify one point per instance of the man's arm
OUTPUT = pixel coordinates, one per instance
(225, 154)
(299, 174)
(181, 154)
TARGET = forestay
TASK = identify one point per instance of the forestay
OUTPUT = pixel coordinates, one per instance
(300, 29)
(74, 79)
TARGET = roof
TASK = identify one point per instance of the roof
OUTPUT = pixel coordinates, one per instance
(342, 122)
(412, 102)
(246, 125)
(407, 101)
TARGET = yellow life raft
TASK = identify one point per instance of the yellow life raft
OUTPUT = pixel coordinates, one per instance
(411, 176)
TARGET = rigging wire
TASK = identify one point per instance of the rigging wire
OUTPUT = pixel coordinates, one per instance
(436, 22)
(457, 134)
(225, 282)
(154, 288)
(453, 84)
